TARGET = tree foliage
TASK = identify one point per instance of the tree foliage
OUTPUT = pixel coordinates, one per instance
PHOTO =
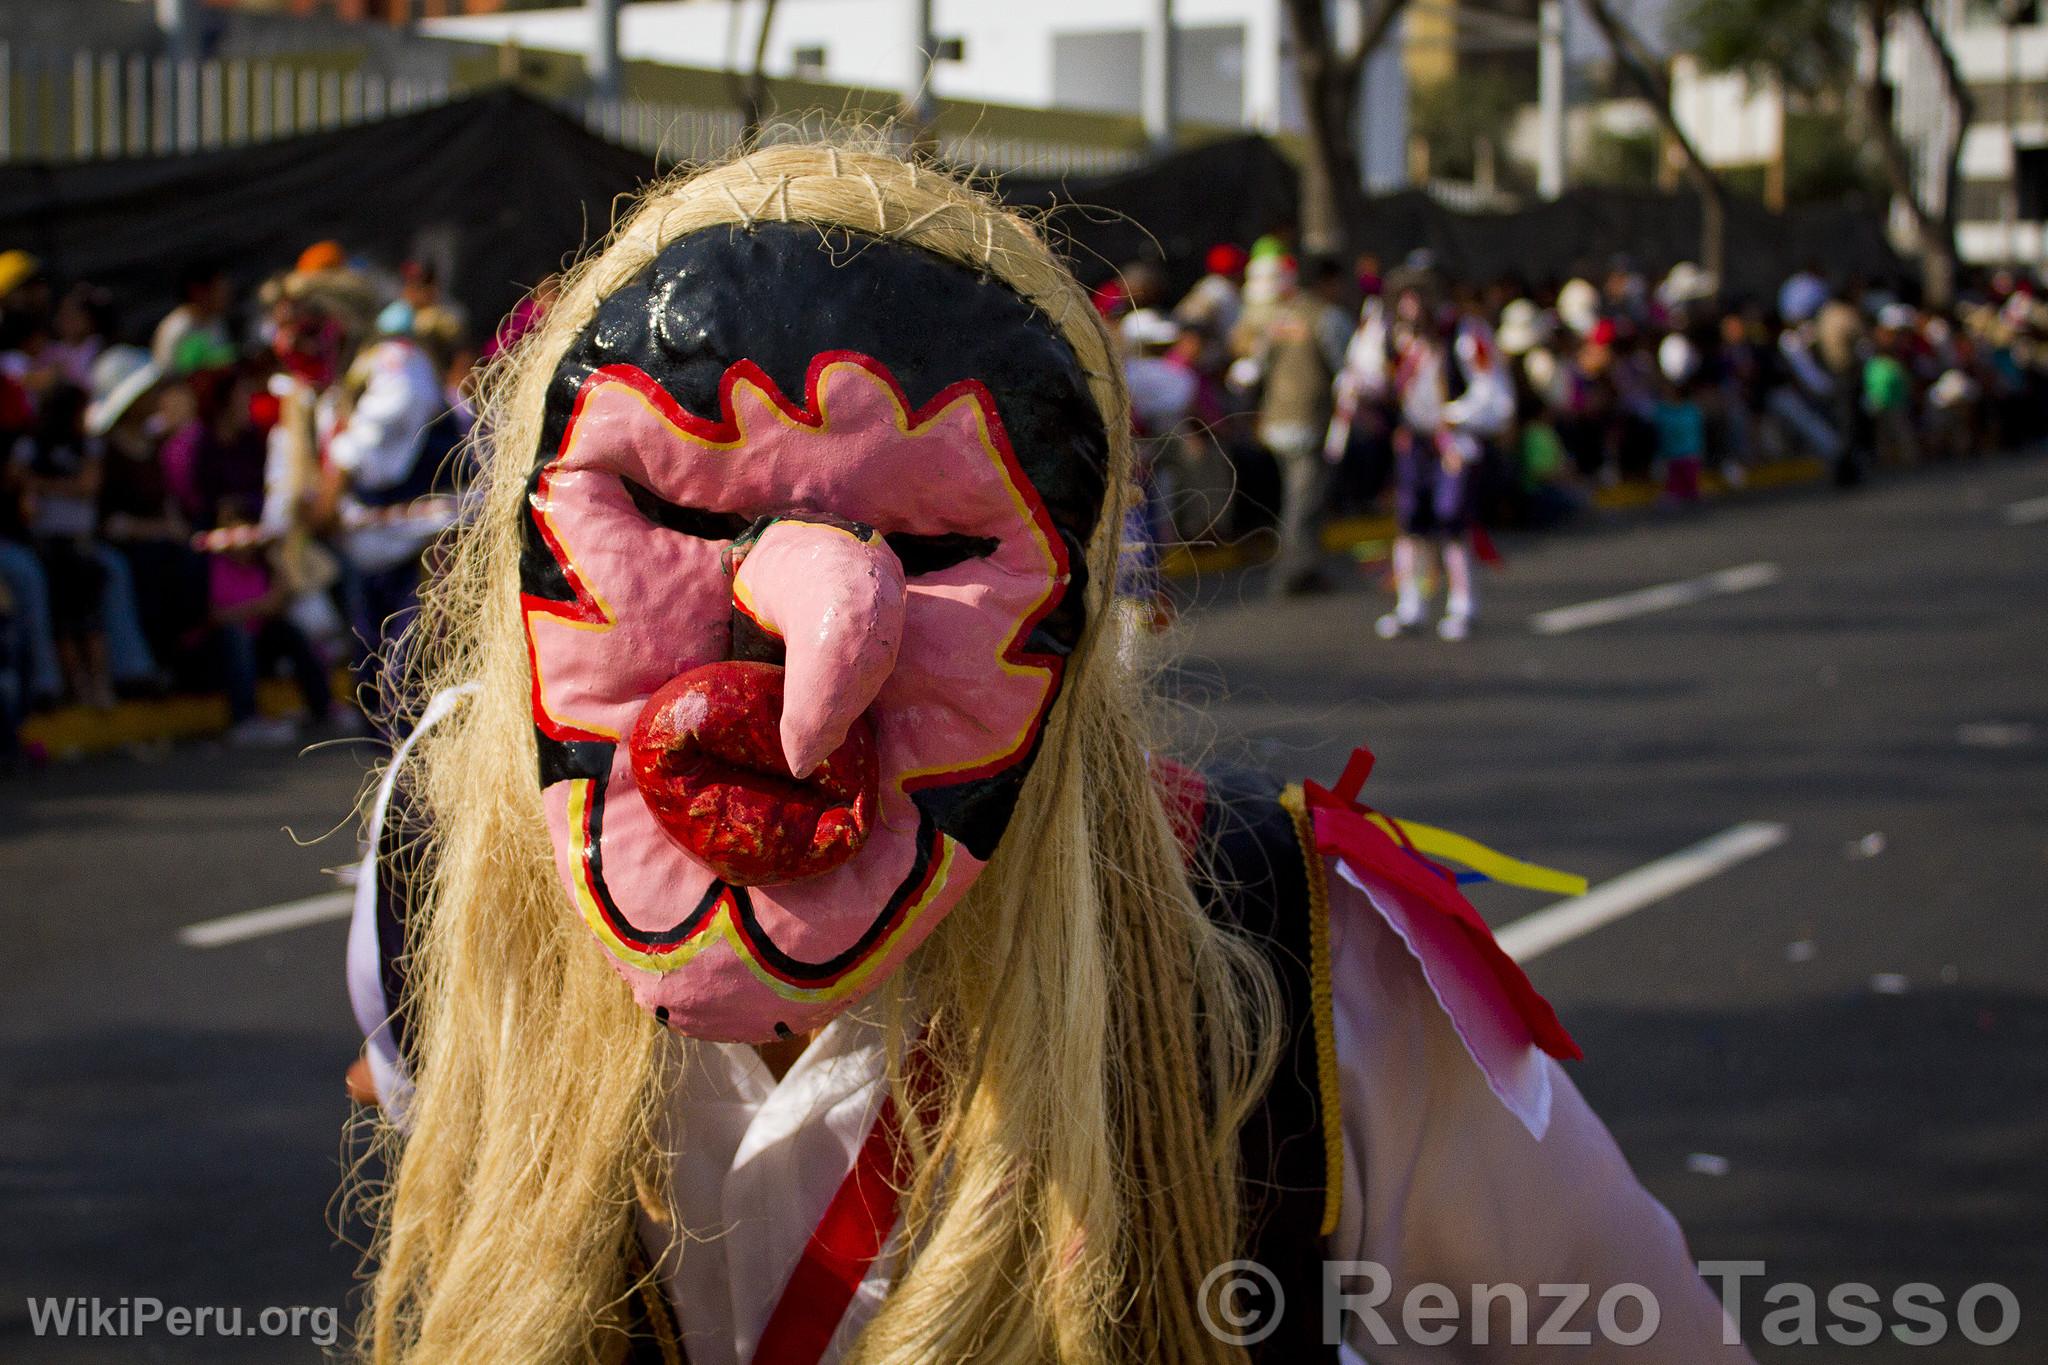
(1807, 45)
(1453, 116)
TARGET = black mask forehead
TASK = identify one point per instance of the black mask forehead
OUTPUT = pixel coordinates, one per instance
(779, 295)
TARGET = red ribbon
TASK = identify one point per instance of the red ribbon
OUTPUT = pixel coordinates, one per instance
(1344, 829)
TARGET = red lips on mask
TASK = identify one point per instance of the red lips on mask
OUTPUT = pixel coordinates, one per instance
(707, 755)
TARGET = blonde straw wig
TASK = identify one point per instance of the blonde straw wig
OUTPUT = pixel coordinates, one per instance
(1097, 1040)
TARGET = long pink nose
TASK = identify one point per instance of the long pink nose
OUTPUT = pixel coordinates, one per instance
(835, 596)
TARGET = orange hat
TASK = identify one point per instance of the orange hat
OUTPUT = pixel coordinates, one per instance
(321, 256)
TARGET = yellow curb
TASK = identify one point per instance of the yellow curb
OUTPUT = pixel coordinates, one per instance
(76, 731)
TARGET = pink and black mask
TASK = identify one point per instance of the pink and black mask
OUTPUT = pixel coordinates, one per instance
(803, 565)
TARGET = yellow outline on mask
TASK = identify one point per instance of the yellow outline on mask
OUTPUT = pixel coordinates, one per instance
(724, 929)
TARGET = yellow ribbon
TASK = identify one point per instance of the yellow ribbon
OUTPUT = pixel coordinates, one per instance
(1499, 867)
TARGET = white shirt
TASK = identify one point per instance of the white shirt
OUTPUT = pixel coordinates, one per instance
(758, 1163)
(1161, 393)
(401, 397)
(1443, 1183)
(380, 443)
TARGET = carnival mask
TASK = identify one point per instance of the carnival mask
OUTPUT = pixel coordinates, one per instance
(803, 565)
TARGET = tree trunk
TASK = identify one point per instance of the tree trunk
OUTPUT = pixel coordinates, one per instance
(1332, 185)
(1934, 229)
(1642, 70)
(1333, 181)
(749, 90)
(1941, 264)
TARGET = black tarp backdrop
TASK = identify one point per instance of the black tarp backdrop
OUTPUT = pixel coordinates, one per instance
(502, 189)
(1171, 210)
(1233, 191)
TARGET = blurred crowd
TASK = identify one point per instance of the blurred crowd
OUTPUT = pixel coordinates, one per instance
(242, 487)
(248, 485)
(1282, 389)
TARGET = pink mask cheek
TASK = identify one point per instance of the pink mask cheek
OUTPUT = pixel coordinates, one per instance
(650, 604)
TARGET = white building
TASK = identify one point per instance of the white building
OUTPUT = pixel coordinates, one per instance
(1233, 66)
(2003, 213)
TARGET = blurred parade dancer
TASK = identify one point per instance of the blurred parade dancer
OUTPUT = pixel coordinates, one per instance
(1442, 371)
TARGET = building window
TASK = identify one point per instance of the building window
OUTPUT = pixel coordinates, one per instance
(808, 62)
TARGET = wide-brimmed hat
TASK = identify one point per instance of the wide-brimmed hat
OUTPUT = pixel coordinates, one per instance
(1149, 329)
(340, 294)
(1678, 358)
(1686, 283)
(1521, 327)
(120, 378)
(1578, 306)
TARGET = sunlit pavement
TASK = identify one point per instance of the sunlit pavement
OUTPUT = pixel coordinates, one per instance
(1829, 1054)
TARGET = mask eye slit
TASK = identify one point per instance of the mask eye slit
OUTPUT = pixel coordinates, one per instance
(930, 554)
(689, 521)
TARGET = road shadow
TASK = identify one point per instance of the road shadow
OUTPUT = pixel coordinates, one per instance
(172, 1163)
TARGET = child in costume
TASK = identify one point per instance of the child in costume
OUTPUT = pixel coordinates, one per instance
(779, 943)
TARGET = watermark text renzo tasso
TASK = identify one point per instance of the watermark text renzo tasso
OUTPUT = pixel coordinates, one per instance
(142, 1315)
(1242, 1303)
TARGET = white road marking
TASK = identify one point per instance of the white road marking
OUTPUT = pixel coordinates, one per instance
(1536, 934)
(1995, 734)
(1663, 597)
(274, 919)
(2027, 512)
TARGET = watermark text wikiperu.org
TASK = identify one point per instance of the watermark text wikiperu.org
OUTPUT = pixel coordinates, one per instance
(142, 1315)
(1243, 1303)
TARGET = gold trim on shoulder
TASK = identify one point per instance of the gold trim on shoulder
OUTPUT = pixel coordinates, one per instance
(1322, 1003)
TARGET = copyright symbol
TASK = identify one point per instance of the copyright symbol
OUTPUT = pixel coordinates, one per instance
(1240, 1303)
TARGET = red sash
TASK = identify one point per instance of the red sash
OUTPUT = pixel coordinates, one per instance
(846, 1241)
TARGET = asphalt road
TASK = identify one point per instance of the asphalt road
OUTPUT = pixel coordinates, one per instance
(1831, 1057)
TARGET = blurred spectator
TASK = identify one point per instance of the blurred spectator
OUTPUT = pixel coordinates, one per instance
(433, 312)
(146, 536)
(31, 629)
(1163, 388)
(1887, 393)
(1839, 343)
(1295, 353)
(1681, 434)
(391, 438)
(62, 470)
(1802, 294)
(1212, 308)
(523, 318)
(194, 335)
(84, 320)
(247, 607)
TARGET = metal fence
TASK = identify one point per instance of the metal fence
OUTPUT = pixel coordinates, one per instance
(78, 106)
(82, 106)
